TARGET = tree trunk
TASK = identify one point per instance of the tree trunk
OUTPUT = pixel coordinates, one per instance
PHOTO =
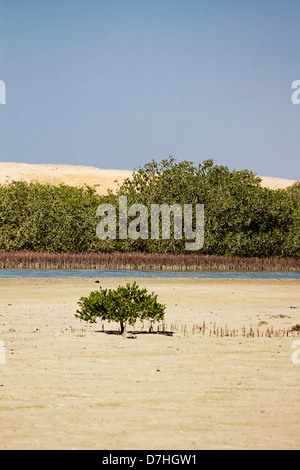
(123, 328)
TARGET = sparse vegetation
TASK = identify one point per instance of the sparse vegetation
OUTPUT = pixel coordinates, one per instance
(124, 305)
(281, 315)
(296, 327)
(143, 261)
(207, 329)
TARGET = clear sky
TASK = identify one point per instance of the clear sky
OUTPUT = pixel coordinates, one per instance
(117, 83)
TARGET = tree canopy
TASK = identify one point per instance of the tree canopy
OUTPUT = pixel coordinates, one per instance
(241, 217)
(126, 304)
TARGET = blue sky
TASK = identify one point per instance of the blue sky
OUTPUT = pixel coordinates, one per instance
(115, 84)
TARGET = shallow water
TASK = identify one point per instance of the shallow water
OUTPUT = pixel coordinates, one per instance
(49, 273)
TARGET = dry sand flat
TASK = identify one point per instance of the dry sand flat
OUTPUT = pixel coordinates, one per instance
(74, 175)
(68, 385)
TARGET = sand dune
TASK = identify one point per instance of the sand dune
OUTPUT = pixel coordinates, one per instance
(276, 183)
(75, 175)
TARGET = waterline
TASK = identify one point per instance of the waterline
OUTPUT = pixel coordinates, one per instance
(79, 273)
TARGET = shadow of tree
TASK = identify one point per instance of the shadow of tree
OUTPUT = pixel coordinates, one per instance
(133, 332)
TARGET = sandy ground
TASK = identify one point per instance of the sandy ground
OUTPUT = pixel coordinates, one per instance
(74, 175)
(69, 385)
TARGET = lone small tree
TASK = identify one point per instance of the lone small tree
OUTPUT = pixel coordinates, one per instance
(125, 305)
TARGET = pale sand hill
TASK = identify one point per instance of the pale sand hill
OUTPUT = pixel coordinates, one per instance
(74, 175)
(276, 183)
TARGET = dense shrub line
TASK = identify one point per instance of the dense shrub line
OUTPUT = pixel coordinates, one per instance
(242, 219)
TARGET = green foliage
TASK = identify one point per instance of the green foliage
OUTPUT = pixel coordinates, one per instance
(241, 217)
(295, 327)
(45, 218)
(125, 305)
